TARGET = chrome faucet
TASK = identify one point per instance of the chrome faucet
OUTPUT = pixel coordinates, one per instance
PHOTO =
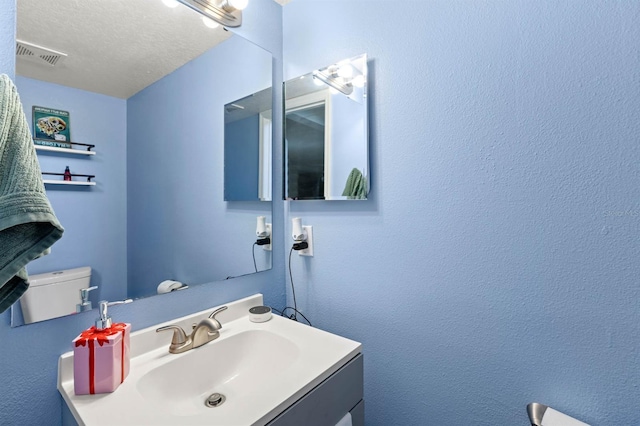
(206, 331)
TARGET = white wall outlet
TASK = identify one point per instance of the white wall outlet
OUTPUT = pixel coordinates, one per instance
(267, 247)
(309, 250)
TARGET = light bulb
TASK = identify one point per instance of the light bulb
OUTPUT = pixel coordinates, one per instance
(170, 3)
(317, 81)
(333, 90)
(359, 81)
(345, 71)
(210, 22)
(239, 4)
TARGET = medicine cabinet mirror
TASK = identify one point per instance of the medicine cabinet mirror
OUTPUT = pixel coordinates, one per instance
(157, 211)
(326, 133)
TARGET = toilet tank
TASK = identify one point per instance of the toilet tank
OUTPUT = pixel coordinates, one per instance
(54, 294)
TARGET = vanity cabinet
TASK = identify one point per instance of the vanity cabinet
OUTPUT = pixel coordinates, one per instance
(324, 405)
(328, 402)
(300, 376)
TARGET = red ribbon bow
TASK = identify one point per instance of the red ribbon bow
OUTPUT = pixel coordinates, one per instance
(101, 336)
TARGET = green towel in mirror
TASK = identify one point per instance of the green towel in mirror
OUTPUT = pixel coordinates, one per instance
(356, 186)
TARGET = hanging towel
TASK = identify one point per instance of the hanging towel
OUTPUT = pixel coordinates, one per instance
(28, 225)
(356, 186)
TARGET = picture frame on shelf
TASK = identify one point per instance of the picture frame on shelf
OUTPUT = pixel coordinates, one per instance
(51, 127)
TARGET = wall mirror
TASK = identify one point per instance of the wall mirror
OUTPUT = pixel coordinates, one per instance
(150, 93)
(326, 133)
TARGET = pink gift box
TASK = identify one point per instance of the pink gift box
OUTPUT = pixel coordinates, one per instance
(101, 359)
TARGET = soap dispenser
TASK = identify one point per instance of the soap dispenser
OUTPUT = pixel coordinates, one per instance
(85, 303)
(101, 354)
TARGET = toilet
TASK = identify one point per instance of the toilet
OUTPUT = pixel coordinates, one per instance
(53, 294)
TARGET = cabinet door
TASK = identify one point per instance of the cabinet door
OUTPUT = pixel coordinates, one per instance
(328, 402)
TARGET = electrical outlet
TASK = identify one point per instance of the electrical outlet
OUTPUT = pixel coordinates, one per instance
(309, 250)
(267, 247)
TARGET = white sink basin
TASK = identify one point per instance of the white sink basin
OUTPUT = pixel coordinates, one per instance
(260, 368)
(244, 365)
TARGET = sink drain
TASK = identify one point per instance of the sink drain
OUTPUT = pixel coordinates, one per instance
(214, 400)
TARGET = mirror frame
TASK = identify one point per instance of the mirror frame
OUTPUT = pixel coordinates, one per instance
(229, 207)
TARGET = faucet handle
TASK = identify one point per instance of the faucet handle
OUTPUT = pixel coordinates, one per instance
(216, 312)
(179, 336)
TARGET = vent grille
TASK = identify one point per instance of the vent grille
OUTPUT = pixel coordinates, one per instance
(38, 54)
(22, 50)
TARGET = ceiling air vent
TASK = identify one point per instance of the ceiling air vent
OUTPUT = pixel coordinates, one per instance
(38, 54)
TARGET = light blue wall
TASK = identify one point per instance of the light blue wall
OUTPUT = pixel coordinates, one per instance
(241, 159)
(7, 37)
(94, 217)
(188, 106)
(496, 262)
(29, 354)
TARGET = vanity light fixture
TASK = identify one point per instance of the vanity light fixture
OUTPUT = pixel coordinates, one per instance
(345, 71)
(239, 4)
(225, 12)
(334, 81)
(340, 77)
(359, 81)
(209, 23)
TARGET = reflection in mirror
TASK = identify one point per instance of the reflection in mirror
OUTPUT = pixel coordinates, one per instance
(326, 133)
(247, 148)
(150, 94)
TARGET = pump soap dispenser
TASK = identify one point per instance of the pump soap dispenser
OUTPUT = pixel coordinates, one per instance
(101, 354)
(85, 303)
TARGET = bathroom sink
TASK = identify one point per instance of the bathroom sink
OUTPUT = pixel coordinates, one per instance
(249, 375)
(245, 365)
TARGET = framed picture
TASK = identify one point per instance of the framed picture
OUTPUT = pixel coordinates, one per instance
(51, 127)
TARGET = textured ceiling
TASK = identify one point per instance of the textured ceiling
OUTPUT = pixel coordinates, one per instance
(115, 47)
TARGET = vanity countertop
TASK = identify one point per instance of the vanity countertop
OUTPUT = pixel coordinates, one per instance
(260, 368)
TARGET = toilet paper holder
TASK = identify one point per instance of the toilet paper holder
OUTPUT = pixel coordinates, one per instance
(537, 411)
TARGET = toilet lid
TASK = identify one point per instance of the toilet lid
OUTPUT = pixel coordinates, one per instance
(59, 276)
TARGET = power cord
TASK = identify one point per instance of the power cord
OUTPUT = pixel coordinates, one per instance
(293, 289)
(294, 315)
(259, 242)
(281, 313)
(295, 318)
(253, 252)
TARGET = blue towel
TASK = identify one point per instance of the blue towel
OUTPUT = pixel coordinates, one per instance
(28, 225)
